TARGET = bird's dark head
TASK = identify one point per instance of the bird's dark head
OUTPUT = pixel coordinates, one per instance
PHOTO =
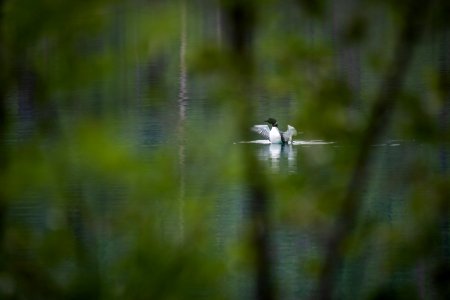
(272, 122)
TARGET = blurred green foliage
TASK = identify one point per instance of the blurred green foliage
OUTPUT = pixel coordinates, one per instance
(120, 172)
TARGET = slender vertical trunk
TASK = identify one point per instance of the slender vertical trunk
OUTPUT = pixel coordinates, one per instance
(441, 276)
(241, 18)
(219, 26)
(3, 124)
(182, 104)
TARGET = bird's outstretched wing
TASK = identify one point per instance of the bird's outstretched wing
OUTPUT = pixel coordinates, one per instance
(288, 134)
(263, 130)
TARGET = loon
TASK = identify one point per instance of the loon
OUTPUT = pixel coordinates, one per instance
(274, 135)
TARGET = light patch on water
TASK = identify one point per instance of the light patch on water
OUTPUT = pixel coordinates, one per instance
(387, 144)
(267, 142)
(313, 142)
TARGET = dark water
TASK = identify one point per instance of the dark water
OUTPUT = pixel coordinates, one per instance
(294, 249)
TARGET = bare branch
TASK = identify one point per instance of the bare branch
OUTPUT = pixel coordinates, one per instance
(384, 104)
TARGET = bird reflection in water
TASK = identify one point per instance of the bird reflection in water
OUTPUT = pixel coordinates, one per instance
(279, 156)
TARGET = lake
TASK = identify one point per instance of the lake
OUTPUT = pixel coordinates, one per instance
(139, 181)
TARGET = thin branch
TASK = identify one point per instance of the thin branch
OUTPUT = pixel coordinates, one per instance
(379, 119)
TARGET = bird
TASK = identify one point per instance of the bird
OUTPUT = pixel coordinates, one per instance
(274, 135)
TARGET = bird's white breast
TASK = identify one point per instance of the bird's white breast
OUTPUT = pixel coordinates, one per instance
(274, 136)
